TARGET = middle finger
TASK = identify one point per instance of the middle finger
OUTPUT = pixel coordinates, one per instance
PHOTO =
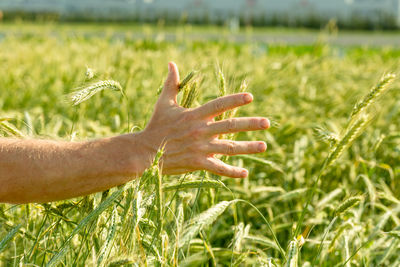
(234, 125)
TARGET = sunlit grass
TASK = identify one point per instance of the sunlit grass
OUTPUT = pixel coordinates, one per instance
(300, 88)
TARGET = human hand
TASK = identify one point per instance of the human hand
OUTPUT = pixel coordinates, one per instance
(190, 135)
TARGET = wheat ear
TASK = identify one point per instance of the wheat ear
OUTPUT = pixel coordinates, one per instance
(187, 79)
(351, 134)
(373, 94)
(195, 225)
(347, 204)
(190, 93)
(83, 94)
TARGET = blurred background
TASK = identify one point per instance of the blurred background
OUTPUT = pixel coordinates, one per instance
(370, 14)
(358, 18)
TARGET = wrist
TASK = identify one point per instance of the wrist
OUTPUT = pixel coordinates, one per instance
(139, 150)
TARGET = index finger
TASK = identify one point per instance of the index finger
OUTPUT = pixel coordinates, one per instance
(222, 104)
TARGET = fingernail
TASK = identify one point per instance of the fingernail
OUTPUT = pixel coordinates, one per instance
(169, 67)
(248, 98)
(262, 146)
(245, 173)
(264, 123)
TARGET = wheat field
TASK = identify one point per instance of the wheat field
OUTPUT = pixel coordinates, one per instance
(325, 193)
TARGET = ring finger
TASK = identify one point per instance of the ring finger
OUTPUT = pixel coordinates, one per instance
(227, 147)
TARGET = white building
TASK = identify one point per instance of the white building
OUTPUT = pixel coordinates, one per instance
(290, 12)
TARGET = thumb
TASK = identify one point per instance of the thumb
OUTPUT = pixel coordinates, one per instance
(171, 85)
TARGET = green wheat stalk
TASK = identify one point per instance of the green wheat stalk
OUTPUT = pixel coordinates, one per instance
(194, 184)
(293, 254)
(106, 248)
(222, 90)
(88, 219)
(357, 123)
(342, 208)
(10, 129)
(8, 237)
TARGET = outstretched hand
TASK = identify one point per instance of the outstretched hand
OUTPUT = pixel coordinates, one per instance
(44, 170)
(190, 135)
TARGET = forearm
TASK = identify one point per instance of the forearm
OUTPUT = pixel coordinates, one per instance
(41, 170)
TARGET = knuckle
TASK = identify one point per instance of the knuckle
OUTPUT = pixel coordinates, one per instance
(196, 133)
(220, 169)
(231, 124)
(230, 148)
